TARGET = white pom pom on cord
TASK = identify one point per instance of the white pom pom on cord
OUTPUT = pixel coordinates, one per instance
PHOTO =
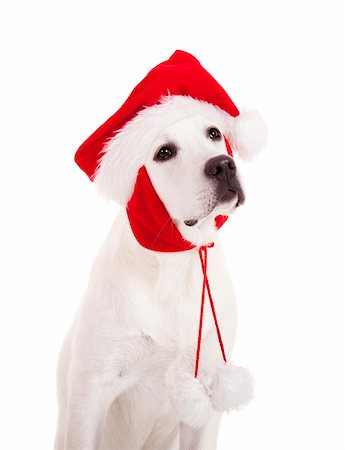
(249, 133)
(232, 388)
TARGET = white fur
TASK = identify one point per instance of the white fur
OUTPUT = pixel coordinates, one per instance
(126, 368)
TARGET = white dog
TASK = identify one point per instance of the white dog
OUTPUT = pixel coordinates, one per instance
(126, 369)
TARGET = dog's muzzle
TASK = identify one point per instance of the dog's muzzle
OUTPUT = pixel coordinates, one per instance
(222, 170)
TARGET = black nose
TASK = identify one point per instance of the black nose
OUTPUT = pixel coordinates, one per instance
(221, 167)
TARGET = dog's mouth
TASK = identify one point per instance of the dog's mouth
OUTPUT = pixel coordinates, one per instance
(230, 194)
(191, 222)
(227, 197)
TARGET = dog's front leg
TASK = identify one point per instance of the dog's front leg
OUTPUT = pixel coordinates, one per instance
(203, 438)
(188, 395)
(94, 381)
(190, 398)
(199, 402)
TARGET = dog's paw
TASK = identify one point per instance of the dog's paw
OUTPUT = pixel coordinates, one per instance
(189, 399)
(231, 388)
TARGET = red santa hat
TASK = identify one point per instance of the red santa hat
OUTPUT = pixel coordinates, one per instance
(180, 76)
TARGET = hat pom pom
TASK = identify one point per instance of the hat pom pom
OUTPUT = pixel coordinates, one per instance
(249, 133)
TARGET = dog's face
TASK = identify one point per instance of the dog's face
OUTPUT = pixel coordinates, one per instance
(194, 176)
(180, 141)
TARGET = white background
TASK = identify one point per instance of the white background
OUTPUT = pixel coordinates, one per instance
(65, 68)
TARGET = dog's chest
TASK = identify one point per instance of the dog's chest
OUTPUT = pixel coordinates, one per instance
(173, 307)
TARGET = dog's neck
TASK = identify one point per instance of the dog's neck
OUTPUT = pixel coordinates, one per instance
(123, 253)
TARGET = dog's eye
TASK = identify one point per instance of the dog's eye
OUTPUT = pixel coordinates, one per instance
(165, 153)
(214, 133)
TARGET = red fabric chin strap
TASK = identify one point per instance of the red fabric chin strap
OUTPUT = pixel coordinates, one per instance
(154, 229)
(151, 223)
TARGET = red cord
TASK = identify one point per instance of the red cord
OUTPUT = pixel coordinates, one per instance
(205, 284)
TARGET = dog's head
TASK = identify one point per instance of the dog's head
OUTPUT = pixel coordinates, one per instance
(182, 144)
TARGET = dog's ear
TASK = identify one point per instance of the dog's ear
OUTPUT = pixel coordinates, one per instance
(120, 161)
(248, 134)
